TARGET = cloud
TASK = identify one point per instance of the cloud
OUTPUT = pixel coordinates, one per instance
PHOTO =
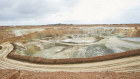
(25, 9)
(103, 11)
(38, 12)
(29, 9)
(131, 15)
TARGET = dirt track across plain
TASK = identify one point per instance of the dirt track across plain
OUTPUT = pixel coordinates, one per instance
(129, 64)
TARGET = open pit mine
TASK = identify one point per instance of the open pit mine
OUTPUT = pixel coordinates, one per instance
(113, 48)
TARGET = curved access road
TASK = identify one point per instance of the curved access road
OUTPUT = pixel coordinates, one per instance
(129, 64)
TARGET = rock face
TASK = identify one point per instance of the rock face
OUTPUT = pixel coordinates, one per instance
(97, 50)
(78, 41)
(77, 47)
(75, 41)
(78, 44)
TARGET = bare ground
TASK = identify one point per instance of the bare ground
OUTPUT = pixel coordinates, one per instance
(15, 74)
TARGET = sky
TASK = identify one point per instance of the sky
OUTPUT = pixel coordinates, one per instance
(43, 12)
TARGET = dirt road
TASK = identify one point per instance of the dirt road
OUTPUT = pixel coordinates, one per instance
(128, 64)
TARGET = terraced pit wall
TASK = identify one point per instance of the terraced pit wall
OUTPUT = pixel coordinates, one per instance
(91, 30)
(129, 30)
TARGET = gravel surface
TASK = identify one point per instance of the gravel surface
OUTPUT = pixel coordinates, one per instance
(15, 74)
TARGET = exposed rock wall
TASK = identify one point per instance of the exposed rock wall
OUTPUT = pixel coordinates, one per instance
(130, 31)
(73, 60)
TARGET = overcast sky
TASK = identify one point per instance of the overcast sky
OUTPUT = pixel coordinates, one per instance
(40, 12)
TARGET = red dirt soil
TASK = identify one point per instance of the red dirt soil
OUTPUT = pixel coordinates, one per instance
(21, 74)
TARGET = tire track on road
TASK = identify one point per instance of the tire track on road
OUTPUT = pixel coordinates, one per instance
(124, 64)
